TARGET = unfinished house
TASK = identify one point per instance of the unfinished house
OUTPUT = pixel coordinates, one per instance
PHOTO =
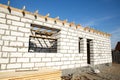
(30, 41)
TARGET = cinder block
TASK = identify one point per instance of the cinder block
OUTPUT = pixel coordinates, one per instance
(64, 67)
(13, 60)
(30, 16)
(16, 43)
(22, 59)
(25, 65)
(46, 59)
(13, 28)
(3, 66)
(16, 54)
(4, 26)
(38, 22)
(23, 29)
(15, 33)
(7, 32)
(2, 15)
(5, 10)
(13, 17)
(23, 39)
(4, 60)
(6, 43)
(35, 59)
(2, 31)
(46, 24)
(13, 66)
(55, 59)
(39, 64)
(16, 13)
(50, 64)
(29, 55)
(40, 55)
(27, 25)
(4, 48)
(12, 38)
(22, 49)
(26, 20)
(2, 20)
(9, 22)
(16, 23)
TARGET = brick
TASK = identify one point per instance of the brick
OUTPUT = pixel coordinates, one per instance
(12, 38)
(23, 39)
(22, 59)
(2, 20)
(13, 17)
(22, 49)
(23, 29)
(16, 43)
(35, 60)
(4, 48)
(4, 60)
(18, 23)
(4, 26)
(29, 55)
(25, 65)
(2, 31)
(13, 66)
(26, 20)
(2, 15)
(14, 33)
(16, 54)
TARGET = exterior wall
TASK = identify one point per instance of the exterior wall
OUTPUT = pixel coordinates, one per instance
(14, 43)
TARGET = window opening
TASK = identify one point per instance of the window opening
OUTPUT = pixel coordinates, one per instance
(43, 39)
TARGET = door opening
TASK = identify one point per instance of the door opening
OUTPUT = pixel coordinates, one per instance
(88, 51)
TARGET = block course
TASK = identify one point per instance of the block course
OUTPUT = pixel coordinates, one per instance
(14, 43)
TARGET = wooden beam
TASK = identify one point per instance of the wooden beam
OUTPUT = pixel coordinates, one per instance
(43, 37)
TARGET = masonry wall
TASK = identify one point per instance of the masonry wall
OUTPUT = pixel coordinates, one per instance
(14, 44)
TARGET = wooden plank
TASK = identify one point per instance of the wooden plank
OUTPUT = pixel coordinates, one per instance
(43, 74)
(35, 36)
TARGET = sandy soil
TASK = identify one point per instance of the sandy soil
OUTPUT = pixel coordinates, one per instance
(108, 73)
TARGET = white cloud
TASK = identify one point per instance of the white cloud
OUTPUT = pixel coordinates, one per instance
(115, 37)
(94, 22)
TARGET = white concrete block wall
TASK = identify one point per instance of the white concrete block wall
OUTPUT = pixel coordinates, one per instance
(14, 41)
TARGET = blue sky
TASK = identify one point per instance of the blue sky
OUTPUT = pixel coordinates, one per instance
(102, 15)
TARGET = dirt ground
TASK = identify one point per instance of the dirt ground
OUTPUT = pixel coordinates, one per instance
(108, 73)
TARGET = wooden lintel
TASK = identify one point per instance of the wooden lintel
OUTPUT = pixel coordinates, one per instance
(43, 37)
